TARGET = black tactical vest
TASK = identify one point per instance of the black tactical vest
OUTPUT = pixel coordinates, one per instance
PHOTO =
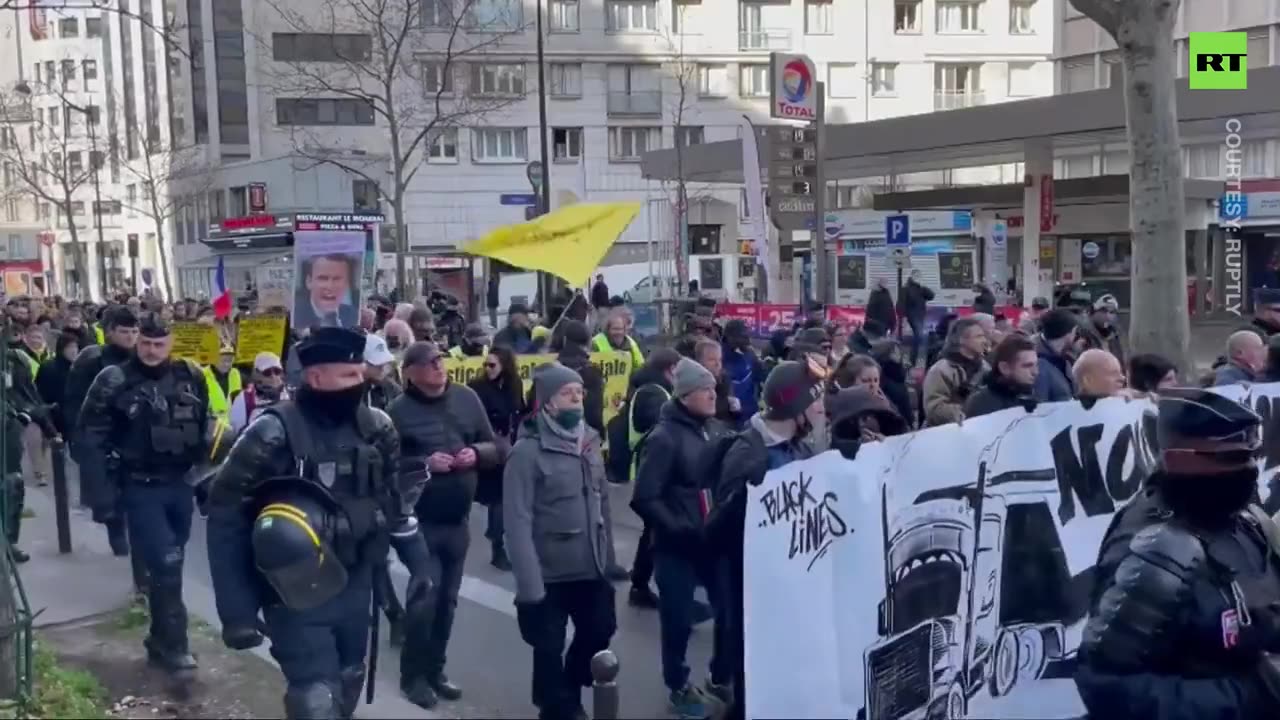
(344, 465)
(164, 419)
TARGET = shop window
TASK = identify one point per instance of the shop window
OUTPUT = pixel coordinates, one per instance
(1113, 257)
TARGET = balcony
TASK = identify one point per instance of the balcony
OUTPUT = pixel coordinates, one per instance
(956, 99)
(643, 102)
(764, 39)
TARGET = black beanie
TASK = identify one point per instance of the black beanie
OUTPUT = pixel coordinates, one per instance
(1057, 324)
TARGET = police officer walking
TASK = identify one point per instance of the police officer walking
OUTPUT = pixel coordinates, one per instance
(1185, 615)
(314, 480)
(149, 418)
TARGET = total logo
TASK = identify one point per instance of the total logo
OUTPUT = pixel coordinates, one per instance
(795, 97)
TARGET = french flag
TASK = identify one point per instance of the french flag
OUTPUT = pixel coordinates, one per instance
(221, 301)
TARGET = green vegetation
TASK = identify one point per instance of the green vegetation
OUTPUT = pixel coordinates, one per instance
(135, 616)
(61, 692)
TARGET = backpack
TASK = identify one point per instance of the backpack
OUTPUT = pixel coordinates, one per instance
(723, 508)
(617, 432)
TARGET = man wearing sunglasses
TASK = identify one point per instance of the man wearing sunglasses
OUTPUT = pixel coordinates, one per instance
(1184, 617)
(1099, 331)
(265, 389)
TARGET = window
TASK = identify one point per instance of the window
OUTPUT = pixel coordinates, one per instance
(68, 27)
(1020, 17)
(321, 47)
(55, 117)
(631, 15)
(499, 145)
(566, 144)
(217, 205)
(323, 111)
(239, 201)
(68, 72)
(842, 80)
(1021, 79)
(495, 15)
(90, 70)
(1077, 75)
(713, 80)
(634, 90)
(1112, 70)
(50, 72)
(96, 159)
(36, 75)
(565, 79)
(959, 16)
(883, 80)
(753, 81)
(497, 79)
(956, 86)
(1115, 162)
(818, 17)
(629, 143)
(77, 207)
(11, 214)
(564, 16)
(437, 78)
(75, 164)
(444, 147)
(1202, 161)
(93, 27)
(1259, 48)
(131, 200)
(364, 195)
(1077, 166)
(687, 17)
(437, 13)
(690, 135)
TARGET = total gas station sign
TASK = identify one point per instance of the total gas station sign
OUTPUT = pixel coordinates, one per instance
(793, 87)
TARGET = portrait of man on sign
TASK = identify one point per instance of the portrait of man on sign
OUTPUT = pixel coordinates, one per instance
(327, 290)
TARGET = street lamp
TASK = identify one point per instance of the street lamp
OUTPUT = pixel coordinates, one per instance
(543, 185)
(22, 88)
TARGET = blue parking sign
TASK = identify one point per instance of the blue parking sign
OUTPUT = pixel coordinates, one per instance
(897, 230)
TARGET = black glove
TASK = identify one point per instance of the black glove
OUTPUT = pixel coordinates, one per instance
(241, 637)
(419, 590)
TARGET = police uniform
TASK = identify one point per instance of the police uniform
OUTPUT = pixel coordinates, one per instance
(21, 408)
(1185, 614)
(151, 424)
(300, 513)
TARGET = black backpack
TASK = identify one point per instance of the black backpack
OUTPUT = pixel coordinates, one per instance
(723, 508)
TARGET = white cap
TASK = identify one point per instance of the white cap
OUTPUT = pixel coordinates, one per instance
(376, 352)
(267, 361)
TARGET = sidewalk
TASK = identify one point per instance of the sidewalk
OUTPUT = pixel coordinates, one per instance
(90, 581)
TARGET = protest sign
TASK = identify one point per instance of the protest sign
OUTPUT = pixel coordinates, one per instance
(258, 334)
(196, 341)
(614, 366)
(946, 573)
(327, 278)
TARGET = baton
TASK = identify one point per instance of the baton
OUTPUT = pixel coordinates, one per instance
(375, 621)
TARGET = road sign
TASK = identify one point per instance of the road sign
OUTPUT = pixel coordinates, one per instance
(897, 231)
(518, 199)
(533, 171)
(793, 174)
(531, 212)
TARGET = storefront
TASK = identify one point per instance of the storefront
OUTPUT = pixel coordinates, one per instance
(942, 249)
(1255, 219)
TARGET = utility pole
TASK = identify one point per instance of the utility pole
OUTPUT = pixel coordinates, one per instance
(545, 282)
(97, 197)
(822, 286)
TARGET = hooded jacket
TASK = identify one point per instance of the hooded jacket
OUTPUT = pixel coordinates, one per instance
(555, 507)
(1054, 382)
(997, 394)
(667, 485)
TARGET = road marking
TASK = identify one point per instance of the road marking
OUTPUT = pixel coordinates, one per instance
(481, 592)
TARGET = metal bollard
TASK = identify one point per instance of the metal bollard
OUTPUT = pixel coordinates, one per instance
(604, 685)
(61, 498)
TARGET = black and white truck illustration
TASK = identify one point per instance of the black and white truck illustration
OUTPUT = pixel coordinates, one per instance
(977, 588)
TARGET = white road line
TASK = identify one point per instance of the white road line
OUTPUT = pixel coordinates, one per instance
(481, 592)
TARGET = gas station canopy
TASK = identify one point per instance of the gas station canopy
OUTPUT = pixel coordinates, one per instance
(987, 134)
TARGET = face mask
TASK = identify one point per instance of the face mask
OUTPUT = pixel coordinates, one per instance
(334, 405)
(1209, 499)
(569, 418)
(267, 393)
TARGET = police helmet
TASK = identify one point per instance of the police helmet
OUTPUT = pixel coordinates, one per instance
(292, 548)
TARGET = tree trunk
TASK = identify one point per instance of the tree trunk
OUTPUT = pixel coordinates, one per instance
(164, 263)
(1158, 321)
(402, 248)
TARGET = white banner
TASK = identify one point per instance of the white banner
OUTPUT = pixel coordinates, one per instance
(876, 578)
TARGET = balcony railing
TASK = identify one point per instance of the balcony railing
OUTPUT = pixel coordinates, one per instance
(644, 102)
(954, 99)
(764, 39)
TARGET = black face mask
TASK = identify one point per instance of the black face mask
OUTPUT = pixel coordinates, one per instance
(1209, 499)
(269, 393)
(336, 406)
(151, 372)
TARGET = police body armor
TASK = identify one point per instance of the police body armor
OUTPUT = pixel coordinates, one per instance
(339, 476)
(164, 432)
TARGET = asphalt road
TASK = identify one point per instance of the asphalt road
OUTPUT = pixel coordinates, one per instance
(486, 656)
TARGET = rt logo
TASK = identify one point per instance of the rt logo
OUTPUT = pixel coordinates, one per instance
(1219, 60)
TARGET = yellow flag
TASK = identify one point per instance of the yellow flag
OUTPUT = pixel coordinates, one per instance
(568, 243)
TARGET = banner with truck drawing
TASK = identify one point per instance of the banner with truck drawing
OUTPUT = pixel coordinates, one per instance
(946, 573)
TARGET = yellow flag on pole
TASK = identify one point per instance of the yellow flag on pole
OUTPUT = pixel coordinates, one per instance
(568, 243)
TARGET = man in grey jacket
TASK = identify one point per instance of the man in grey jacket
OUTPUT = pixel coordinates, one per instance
(555, 508)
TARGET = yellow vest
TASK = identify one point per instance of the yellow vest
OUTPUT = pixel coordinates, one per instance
(601, 342)
(219, 403)
(456, 352)
(97, 332)
(33, 361)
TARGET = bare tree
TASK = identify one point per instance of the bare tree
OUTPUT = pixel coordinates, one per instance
(1143, 30)
(402, 62)
(159, 171)
(53, 156)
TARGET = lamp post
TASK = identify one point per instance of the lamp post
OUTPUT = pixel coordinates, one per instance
(24, 89)
(545, 282)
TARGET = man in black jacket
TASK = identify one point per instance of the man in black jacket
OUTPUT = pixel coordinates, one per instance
(120, 330)
(1014, 367)
(667, 498)
(444, 425)
(913, 304)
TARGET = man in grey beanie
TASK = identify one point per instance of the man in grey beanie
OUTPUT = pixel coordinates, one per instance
(559, 544)
(667, 499)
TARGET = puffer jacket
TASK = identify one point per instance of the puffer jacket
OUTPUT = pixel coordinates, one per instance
(555, 508)
(666, 494)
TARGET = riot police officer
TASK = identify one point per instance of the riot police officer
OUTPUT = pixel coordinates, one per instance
(314, 479)
(1185, 615)
(149, 420)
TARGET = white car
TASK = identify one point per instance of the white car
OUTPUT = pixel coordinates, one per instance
(646, 291)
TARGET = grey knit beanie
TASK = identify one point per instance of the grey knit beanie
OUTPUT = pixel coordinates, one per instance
(549, 378)
(691, 377)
